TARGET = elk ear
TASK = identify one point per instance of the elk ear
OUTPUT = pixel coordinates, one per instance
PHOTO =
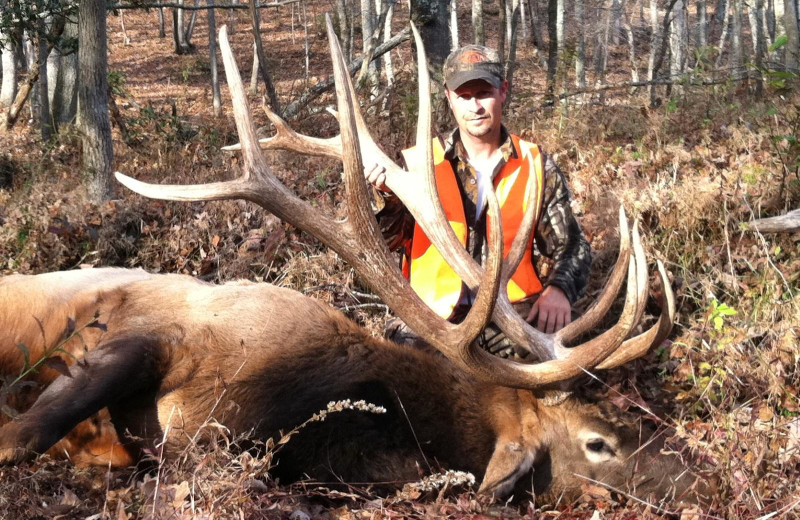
(509, 462)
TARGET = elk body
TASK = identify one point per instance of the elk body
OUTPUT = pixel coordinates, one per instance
(175, 353)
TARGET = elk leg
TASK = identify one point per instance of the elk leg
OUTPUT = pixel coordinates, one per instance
(115, 371)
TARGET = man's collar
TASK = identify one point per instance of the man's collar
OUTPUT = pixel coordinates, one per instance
(454, 148)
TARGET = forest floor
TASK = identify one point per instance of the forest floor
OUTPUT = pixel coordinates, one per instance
(694, 171)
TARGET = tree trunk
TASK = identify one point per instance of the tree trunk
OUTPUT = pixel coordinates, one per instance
(262, 63)
(501, 39)
(626, 26)
(179, 30)
(306, 49)
(560, 29)
(190, 29)
(344, 31)
(726, 24)
(216, 95)
(512, 49)
(367, 28)
(478, 35)
(453, 25)
(616, 19)
(523, 20)
(254, 72)
(677, 38)
(654, 44)
(431, 19)
(30, 65)
(65, 99)
(601, 48)
(162, 33)
(735, 61)
(760, 46)
(387, 58)
(580, 48)
(536, 33)
(702, 25)
(769, 15)
(45, 119)
(8, 89)
(552, 50)
(93, 121)
(792, 51)
(232, 18)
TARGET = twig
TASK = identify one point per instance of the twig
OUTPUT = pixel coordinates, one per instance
(350, 308)
(323, 86)
(114, 7)
(769, 258)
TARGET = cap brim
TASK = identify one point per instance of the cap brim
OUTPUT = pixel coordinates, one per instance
(459, 78)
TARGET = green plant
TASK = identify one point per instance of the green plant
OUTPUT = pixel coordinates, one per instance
(718, 312)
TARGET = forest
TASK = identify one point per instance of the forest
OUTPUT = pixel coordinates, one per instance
(684, 113)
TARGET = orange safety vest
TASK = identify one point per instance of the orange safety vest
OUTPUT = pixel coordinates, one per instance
(430, 276)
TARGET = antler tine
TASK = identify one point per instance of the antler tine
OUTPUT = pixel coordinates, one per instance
(639, 345)
(606, 298)
(286, 138)
(589, 354)
(358, 204)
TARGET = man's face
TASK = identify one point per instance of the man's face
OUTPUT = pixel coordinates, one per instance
(478, 106)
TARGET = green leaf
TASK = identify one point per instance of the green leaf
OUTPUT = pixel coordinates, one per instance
(780, 74)
(717, 322)
(779, 42)
(26, 354)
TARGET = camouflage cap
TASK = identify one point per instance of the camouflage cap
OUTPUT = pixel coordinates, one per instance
(473, 62)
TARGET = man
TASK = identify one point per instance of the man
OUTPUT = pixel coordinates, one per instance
(478, 155)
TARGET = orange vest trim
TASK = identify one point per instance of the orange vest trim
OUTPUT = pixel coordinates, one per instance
(429, 274)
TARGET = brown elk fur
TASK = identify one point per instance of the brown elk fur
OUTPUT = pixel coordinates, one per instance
(261, 359)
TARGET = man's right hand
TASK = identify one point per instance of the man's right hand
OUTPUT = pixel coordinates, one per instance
(376, 176)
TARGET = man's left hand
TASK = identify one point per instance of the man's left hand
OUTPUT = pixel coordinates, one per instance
(553, 310)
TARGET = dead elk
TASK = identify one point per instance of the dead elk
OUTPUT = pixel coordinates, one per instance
(175, 353)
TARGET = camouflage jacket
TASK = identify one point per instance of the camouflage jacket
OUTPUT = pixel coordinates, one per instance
(558, 237)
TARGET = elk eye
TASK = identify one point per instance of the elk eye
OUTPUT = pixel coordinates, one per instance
(597, 446)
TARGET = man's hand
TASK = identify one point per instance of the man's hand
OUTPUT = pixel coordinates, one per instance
(553, 310)
(376, 176)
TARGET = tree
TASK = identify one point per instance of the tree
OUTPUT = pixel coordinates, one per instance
(216, 95)
(792, 54)
(93, 120)
(60, 74)
(367, 28)
(580, 50)
(182, 46)
(8, 63)
(430, 16)
(344, 31)
(255, 18)
(478, 35)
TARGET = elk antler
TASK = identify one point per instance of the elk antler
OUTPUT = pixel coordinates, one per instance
(416, 190)
(358, 240)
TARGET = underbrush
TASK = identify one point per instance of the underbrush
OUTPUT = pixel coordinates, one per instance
(694, 172)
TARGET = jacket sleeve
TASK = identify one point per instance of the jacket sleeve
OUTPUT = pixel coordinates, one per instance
(559, 236)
